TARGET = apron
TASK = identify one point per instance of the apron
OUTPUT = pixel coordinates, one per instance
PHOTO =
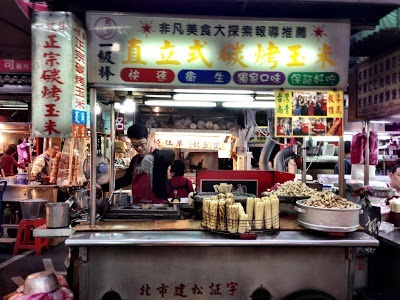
(141, 187)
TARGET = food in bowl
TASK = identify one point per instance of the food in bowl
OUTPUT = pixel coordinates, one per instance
(327, 199)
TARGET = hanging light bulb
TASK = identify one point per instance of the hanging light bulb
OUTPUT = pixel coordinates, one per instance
(97, 109)
(129, 103)
(117, 105)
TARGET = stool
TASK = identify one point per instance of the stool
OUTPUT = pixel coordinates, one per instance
(7, 227)
(24, 240)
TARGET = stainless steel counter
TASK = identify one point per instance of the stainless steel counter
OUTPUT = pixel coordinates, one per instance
(19, 192)
(43, 231)
(201, 238)
(392, 238)
(195, 264)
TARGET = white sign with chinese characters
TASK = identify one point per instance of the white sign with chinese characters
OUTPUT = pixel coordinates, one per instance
(191, 139)
(149, 50)
(58, 75)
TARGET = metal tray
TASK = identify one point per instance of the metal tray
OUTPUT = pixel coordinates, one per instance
(327, 228)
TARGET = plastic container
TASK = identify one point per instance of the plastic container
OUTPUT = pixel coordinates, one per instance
(33, 208)
(22, 178)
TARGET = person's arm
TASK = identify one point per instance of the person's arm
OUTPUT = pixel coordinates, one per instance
(190, 185)
(122, 181)
(15, 163)
(37, 166)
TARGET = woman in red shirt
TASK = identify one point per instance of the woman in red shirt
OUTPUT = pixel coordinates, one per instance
(8, 161)
(182, 185)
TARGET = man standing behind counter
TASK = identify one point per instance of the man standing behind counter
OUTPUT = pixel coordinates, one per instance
(394, 176)
(41, 165)
(148, 169)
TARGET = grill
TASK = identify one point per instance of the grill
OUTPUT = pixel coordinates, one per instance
(137, 212)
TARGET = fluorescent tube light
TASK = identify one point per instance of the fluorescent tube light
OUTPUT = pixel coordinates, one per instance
(380, 122)
(158, 96)
(253, 104)
(241, 92)
(265, 98)
(213, 97)
(13, 108)
(180, 103)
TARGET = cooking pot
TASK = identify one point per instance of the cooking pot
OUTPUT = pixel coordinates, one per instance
(120, 199)
(83, 202)
(328, 219)
(81, 192)
(57, 215)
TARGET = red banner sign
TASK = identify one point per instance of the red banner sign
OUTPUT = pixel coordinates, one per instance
(15, 66)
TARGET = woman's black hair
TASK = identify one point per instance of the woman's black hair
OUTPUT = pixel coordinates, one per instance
(12, 148)
(178, 168)
(394, 169)
(137, 131)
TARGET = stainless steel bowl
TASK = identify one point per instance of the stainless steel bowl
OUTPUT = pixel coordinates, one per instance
(383, 192)
(41, 282)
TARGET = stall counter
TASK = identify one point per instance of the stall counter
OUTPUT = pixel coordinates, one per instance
(19, 192)
(194, 263)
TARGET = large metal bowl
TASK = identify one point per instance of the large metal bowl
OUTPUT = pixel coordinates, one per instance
(41, 282)
(328, 219)
(383, 192)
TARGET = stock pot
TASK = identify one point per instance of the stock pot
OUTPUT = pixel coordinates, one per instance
(328, 219)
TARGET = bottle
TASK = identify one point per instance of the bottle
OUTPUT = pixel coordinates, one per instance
(7, 214)
(17, 218)
(12, 216)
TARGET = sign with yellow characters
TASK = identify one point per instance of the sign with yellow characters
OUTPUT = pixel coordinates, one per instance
(308, 113)
(235, 53)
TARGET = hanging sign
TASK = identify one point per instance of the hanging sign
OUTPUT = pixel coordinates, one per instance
(187, 140)
(15, 66)
(146, 50)
(308, 113)
(377, 82)
(58, 75)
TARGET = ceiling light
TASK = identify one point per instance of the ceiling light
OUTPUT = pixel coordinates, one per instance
(380, 122)
(265, 97)
(117, 105)
(253, 104)
(129, 105)
(97, 109)
(158, 96)
(213, 97)
(242, 92)
(180, 103)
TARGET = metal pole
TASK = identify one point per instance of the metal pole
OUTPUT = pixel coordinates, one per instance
(341, 168)
(93, 143)
(366, 155)
(304, 156)
(112, 149)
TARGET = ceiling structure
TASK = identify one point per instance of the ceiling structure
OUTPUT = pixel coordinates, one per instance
(15, 32)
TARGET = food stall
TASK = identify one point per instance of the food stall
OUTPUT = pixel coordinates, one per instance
(162, 255)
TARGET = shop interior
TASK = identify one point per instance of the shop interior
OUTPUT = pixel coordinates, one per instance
(220, 126)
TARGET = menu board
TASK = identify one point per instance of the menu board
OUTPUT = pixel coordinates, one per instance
(377, 83)
(308, 113)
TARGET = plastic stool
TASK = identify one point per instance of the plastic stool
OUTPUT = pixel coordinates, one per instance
(24, 240)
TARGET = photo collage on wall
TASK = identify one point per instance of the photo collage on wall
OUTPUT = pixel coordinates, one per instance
(308, 113)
